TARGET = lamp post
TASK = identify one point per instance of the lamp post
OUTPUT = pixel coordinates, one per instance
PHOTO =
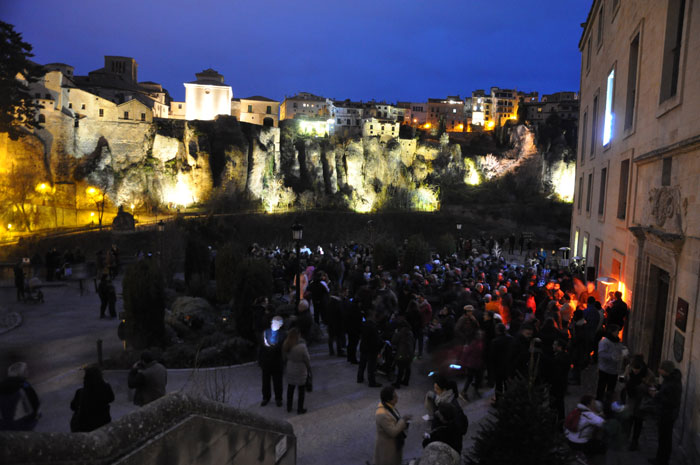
(297, 233)
(161, 228)
(459, 237)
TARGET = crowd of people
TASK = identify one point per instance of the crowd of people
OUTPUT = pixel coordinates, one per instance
(475, 315)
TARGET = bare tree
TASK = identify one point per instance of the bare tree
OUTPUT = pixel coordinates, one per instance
(16, 190)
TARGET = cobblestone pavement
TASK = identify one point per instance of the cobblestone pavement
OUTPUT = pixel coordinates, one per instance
(59, 336)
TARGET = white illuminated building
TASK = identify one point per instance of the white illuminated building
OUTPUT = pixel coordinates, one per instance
(207, 97)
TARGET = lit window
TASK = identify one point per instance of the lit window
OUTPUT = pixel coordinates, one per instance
(609, 116)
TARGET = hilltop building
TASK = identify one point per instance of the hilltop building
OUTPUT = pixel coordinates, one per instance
(207, 97)
(256, 110)
(636, 216)
(305, 105)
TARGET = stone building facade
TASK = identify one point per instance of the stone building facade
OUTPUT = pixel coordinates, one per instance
(207, 97)
(636, 211)
(451, 110)
(257, 110)
(304, 105)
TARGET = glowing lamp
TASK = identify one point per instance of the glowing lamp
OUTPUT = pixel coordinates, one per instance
(607, 280)
(91, 191)
(297, 231)
(459, 226)
(9, 226)
(92, 214)
(427, 125)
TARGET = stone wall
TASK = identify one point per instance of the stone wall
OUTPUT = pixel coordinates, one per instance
(174, 430)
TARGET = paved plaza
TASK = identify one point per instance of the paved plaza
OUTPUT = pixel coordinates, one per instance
(58, 337)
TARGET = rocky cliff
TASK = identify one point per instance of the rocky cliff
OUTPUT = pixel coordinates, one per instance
(181, 163)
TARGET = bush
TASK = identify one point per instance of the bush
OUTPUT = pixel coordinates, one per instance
(522, 408)
(253, 279)
(416, 252)
(445, 245)
(225, 269)
(386, 254)
(144, 303)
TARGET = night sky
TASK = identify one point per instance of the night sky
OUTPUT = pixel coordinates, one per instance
(360, 49)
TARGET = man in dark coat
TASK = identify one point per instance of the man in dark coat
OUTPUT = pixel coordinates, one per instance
(320, 296)
(108, 296)
(498, 358)
(668, 399)
(370, 345)
(556, 372)
(271, 361)
(19, 280)
(617, 314)
(334, 320)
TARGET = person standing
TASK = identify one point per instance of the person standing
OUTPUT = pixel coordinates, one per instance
(557, 375)
(668, 399)
(610, 355)
(108, 296)
(403, 342)
(90, 403)
(296, 353)
(19, 280)
(638, 380)
(391, 429)
(149, 378)
(271, 361)
(19, 403)
(370, 345)
(426, 312)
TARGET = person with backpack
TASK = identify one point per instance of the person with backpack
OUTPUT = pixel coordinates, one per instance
(19, 403)
(581, 426)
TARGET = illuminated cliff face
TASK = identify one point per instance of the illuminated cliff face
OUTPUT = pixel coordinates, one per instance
(181, 164)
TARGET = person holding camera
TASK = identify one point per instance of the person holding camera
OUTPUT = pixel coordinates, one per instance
(391, 429)
(149, 378)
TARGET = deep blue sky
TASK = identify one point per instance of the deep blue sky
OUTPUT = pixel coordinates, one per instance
(359, 49)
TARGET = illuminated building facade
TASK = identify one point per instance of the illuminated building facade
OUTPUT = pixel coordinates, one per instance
(482, 111)
(384, 128)
(207, 97)
(303, 104)
(505, 105)
(256, 110)
(563, 104)
(451, 110)
(346, 117)
(636, 211)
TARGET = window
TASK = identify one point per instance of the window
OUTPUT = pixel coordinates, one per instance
(269, 110)
(594, 124)
(143, 116)
(82, 107)
(583, 137)
(339, 121)
(42, 118)
(672, 49)
(179, 106)
(584, 249)
(576, 234)
(589, 192)
(588, 54)
(580, 192)
(70, 105)
(48, 96)
(632, 82)
(126, 115)
(37, 95)
(603, 181)
(666, 172)
(295, 104)
(622, 195)
(596, 260)
(608, 122)
(600, 27)
(102, 112)
(250, 108)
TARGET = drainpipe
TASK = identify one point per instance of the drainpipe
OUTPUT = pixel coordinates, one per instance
(690, 362)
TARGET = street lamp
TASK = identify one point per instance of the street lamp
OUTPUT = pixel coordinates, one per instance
(297, 233)
(459, 237)
(161, 227)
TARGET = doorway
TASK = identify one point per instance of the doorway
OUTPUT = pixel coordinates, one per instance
(658, 298)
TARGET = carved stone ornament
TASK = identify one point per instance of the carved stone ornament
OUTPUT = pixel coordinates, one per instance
(665, 203)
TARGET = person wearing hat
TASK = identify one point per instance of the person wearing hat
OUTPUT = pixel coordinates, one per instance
(668, 399)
